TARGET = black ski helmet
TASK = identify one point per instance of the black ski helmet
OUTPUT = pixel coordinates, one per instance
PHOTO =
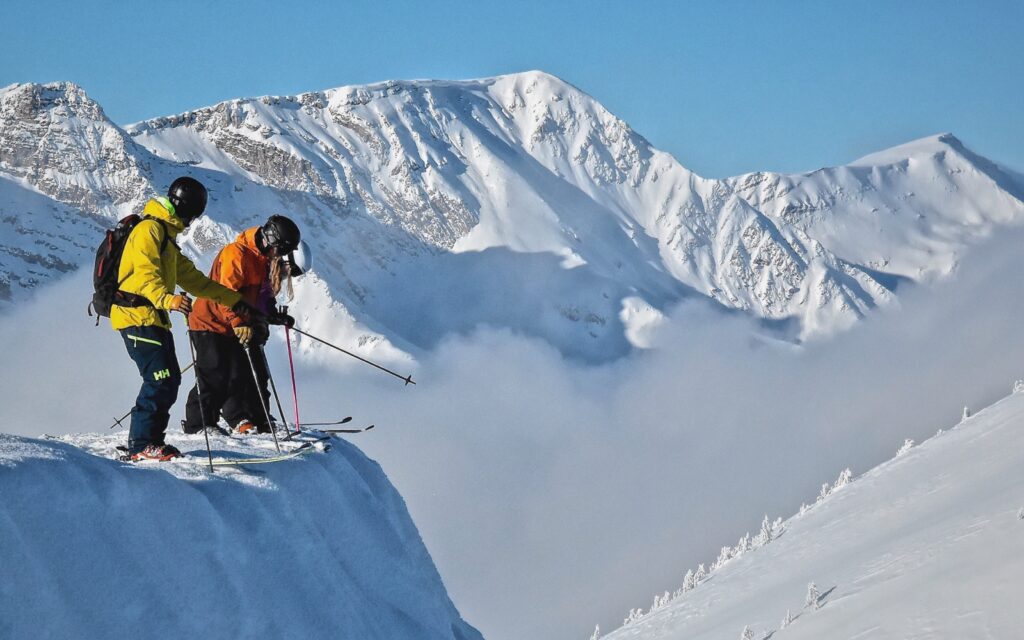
(188, 196)
(281, 233)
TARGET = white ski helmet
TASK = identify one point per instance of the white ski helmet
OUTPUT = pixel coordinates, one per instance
(301, 260)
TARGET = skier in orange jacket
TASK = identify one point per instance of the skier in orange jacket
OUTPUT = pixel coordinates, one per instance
(252, 265)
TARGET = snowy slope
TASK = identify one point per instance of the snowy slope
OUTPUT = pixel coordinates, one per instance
(517, 201)
(317, 547)
(927, 545)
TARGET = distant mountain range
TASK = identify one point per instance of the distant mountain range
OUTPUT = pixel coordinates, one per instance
(516, 202)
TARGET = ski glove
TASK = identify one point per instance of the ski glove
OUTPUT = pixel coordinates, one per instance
(260, 333)
(245, 309)
(181, 303)
(244, 334)
(282, 319)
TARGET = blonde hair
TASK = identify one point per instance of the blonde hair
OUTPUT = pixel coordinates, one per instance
(279, 276)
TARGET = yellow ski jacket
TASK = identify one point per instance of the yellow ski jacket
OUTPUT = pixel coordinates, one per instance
(153, 274)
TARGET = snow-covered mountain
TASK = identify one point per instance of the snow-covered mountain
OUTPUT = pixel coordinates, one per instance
(317, 547)
(927, 545)
(516, 201)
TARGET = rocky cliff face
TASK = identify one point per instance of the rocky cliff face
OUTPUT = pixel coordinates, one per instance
(516, 201)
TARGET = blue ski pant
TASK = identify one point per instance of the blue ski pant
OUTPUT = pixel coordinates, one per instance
(152, 350)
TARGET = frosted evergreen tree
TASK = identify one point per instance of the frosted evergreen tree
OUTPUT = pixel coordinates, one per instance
(813, 594)
(788, 620)
(690, 581)
(597, 632)
(908, 444)
(766, 534)
(744, 544)
(748, 634)
(702, 573)
(844, 479)
(1018, 386)
(967, 414)
(825, 490)
(660, 602)
(724, 556)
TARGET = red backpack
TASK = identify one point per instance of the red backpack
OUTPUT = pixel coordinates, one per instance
(108, 262)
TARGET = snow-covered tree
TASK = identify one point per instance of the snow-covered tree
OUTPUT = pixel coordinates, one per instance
(788, 620)
(825, 490)
(748, 634)
(634, 615)
(660, 602)
(724, 556)
(597, 632)
(813, 594)
(908, 444)
(743, 546)
(702, 574)
(766, 534)
(690, 581)
(1018, 386)
(967, 414)
(845, 478)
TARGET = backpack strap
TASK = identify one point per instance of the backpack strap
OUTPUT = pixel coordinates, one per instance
(125, 299)
(167, 232)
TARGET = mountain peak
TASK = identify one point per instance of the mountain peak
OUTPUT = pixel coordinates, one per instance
(927, 146)
(23, 100)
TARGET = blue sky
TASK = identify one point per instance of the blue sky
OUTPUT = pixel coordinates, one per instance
(727, 87)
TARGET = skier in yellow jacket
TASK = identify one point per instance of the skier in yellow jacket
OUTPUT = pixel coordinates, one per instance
(151, 267)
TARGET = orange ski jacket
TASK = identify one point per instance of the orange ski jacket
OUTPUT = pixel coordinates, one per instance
(241, 267)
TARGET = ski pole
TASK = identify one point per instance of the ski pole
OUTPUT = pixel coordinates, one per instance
(291, 365)
(199, 395)
(259, 392)
(117, 421)
(273, 387)
(407, 379)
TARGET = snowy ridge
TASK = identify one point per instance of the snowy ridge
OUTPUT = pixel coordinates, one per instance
(518, 200)
(925, 545)
(319, 546)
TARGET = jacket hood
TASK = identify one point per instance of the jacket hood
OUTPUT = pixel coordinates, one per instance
(162, 210)
(248, 239)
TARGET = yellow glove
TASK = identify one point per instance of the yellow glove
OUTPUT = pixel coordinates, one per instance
(181, 303)
(244, 334)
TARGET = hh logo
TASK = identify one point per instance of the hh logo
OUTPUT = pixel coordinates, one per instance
(160, 375)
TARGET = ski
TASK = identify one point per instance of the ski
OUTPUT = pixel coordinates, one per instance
(306, 447)
(344, 420)
(347, 430)
(292, 434)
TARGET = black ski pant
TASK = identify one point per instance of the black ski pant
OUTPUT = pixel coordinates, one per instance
(152, 350)
(241, 406)
(222, 372)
